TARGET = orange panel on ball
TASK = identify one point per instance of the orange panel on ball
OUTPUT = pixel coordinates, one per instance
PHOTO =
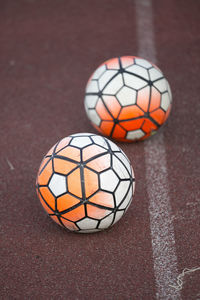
(102, 111)
(45, 206)
(155, 99)
(118, 132)
(44, 177)
(91, 182)
(143, 98)
(127, 61)
(112, 105)
(103, 198)
(43, 163)
(95, 212)
(158, 115)
(148, 126)
(106, 127)
(130, 112)
(75, 214)
(89, 151)
(66, 201)
(48, 197)
(112, 63)
(63, 143)
(74, 183)
(101, 163)
(70, 152)
(69, 225)
(132, 125)
(63, 166)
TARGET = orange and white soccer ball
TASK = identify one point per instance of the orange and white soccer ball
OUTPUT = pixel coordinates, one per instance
(128, 98)
(85, 183)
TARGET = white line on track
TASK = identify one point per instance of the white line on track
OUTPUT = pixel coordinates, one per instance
(162, 230)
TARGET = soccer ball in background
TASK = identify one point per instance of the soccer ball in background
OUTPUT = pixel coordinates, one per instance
(128, 98)
(85, 183)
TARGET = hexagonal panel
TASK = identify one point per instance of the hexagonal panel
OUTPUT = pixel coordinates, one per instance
(57, 185)
(91, 151)
(91, 100)
(106, 77)
(121, 191)
(135, 134)
(155, 74)
(161, 85)
(106, 222)
(143, 62)
(44, 177)
(99, 72)
(99, 140)
(112, 105)
(138, 70)
(63, 166)
(92, 87)
(87, 224)
(134, 81)
(91, 182)
(102, 111)
(101, 163)
(165, 101)
(126, 96)
(113, 87)
(74, 183)
(96, 212)
(81, 142)
(93, 116)
(119, 168)
(108, 180)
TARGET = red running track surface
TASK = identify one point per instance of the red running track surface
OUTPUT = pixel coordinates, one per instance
(48, 50)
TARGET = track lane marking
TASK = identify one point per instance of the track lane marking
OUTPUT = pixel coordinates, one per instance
(162, 230)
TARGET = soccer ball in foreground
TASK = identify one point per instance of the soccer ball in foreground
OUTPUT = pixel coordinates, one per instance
(128, 98)
(85, 183)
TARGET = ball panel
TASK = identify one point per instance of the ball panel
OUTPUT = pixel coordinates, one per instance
(62, 144)
(96, 213)
(57, 185)
(130, 112)
(121, 191)
(126, 200)
(92, 87)
(155, 74)
(87, 224)
(126, 96)
(102, 111)
(47, 195)
(120, 168)
(108, 180)
(91, 100)
(74, 183)
(112, 63)
(75, 214)
(165, 101)
(106, 77)
(155, 99)
(143, 98)
(88, 152)
(106, 222)
(45, 174)
(135, 134)
(158, 115)
(127, 61)
(99, 72)
(45, 206)
(69, 225)
(148, 126)
(63, 166)
(107, 126)
(132, 125)
(81, 142)
(138, 70)
(134, 82)
(161, 85)
(112, 105)
(118, 132)
(90, 182)
(118, 216)
(66, 201)
(103, 198)
(71, 153)
(101, 163)
(143, 62)
(114, 85)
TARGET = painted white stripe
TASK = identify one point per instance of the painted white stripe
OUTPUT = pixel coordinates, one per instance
(162, 230)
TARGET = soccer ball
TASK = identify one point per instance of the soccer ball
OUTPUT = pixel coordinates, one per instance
(128, 98)
(85, 183)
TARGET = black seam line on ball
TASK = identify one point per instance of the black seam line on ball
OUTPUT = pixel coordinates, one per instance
(45, 166)
(82, 178)
(67, 158)
(68, 209)
(106, 107)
